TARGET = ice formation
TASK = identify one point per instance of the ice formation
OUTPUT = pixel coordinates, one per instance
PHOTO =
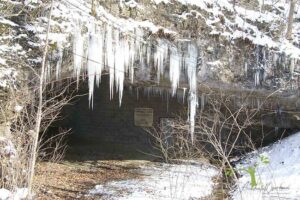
(78, 51)
(191, 68)
(59, 62)
(175, 68)
(110, 58)
(131, 59)
(160, 56)
(94, 64)
(184, 92)
(121, 55)
(120, 60)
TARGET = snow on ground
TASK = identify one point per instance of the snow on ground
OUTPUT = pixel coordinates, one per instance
(161, 182)
(20, 193)
(277, 180)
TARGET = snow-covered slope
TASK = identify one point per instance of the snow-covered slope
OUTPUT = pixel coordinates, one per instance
(241, 21)
(277, 180)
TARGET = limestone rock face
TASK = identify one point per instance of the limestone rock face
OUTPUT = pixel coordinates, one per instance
(239, 45)
(237, 42)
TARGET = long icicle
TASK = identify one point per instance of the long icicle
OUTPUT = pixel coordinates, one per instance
(174, 69)
(160, 56)
(59, 61)
(78, 51)
(120, 65)
(99, 56)
(191, 67)
(110, 58)
(94, 64)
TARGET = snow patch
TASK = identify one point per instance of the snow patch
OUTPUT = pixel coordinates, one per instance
(277, 180)
(162, 182)
(18, 108)
(18, 194)
(2, 61)
(4, 194)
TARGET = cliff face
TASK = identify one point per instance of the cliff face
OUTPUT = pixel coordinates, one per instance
(231, 45)
(242, 44)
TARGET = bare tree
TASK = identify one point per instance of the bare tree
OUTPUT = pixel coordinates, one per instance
(290, 20)
(221, 131)
(40, 106)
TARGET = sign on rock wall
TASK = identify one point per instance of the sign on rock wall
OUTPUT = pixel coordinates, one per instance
(143, 117)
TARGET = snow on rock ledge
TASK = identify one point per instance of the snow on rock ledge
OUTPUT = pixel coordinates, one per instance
(161, 182)
(277, 180)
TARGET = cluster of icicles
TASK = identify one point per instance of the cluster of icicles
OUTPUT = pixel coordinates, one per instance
(105, 48)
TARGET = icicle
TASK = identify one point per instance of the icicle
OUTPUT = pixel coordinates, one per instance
(193, 104)
(59, 61)
(292, 66)
(94, 64)
(184, 92)
(175, 66)
(191, 66)
(132, 59)
(98, 56)
(246, 69)
(275, 59)
(120, 58)
(160, 56)
(138, 44)
(257, 77)
(78, 51)
(110, 59)
(148, 54)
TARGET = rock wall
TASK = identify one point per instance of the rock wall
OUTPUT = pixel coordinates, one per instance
(240, 48)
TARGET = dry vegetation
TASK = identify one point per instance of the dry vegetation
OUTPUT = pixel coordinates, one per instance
(221, 133)
(71, 180)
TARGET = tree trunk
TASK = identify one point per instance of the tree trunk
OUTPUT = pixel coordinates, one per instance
(290, 20)
(39, 109)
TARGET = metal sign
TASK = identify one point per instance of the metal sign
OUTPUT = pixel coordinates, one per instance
(143, 117)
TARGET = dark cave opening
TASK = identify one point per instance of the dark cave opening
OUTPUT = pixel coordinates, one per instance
(108, 131)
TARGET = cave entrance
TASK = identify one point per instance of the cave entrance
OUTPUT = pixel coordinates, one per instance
(109, 131)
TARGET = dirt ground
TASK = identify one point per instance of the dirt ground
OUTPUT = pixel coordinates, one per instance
(71, 180)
